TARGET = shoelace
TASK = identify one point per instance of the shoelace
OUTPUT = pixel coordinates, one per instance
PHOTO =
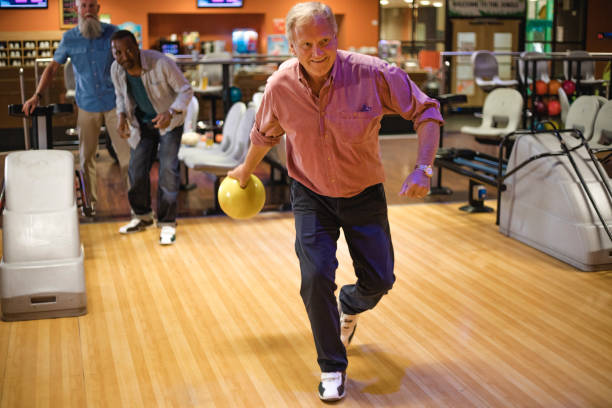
(167, 231)
(330, 377)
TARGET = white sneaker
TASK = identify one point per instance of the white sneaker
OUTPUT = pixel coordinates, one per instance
(348, 324)
(136, 225)
(332, 386)
(167, 236)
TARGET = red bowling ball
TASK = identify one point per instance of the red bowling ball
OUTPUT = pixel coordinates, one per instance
(554, 108)
(569, 87)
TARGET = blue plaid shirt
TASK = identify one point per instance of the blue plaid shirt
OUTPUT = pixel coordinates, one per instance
(91, 60)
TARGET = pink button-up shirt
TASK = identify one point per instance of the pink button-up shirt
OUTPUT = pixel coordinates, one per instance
(332, 140)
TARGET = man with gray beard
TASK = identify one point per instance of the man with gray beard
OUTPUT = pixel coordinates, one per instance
(89, 48)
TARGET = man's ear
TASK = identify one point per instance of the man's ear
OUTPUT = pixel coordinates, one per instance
(291, 49)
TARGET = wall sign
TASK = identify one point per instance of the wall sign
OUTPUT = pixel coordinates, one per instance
(486, 8)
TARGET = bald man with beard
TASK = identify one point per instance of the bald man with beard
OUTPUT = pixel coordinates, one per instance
(89, 48)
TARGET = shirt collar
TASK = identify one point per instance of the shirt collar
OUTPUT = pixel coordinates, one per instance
(144, 61)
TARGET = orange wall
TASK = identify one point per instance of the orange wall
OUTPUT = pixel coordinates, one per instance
(356, 28)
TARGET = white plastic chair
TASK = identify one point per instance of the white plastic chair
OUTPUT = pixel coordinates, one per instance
(602, 131)
(256, 100)
(582, 114)
(587, 69)
(218, 165)
(69, 81)
(486, 72)
(191, 116)
(541, 68)
(221, 162)
(230, 126)
(500, 104)
(190, 136)
(564, 101)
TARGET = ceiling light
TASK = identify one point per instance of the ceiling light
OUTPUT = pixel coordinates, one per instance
(384, 2)
(425, 2)
(408, 1)
(437, 4)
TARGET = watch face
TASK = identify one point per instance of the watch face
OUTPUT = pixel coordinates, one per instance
(425, 169)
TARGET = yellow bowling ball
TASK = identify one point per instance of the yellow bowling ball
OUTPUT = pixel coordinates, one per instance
(551, 125)
(241, 203)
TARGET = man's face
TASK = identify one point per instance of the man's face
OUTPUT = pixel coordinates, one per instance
(125, 53)
(316, 46)
(88, 8)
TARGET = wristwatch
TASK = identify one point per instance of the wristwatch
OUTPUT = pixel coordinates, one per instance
(425, 168)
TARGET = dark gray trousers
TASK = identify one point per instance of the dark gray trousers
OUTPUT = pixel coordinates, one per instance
(318, 220)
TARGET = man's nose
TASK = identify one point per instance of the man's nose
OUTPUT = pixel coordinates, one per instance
(317, 51)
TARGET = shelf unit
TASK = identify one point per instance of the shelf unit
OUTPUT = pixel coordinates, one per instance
(21, 49)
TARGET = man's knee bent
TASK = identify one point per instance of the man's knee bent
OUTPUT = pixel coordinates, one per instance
(380, 284)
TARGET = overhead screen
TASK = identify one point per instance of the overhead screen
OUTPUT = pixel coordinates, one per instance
(219, 3)
(23, 4)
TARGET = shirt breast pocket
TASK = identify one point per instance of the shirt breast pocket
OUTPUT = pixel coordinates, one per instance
(355, 127)
(78, 56)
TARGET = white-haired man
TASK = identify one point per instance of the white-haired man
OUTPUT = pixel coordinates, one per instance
(329, 103)
(89, 48)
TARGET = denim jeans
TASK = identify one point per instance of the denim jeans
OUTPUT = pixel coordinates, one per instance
(318, 220)
(141, 160)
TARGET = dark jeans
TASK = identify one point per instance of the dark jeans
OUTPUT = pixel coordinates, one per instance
(141, 160)
(318, 220)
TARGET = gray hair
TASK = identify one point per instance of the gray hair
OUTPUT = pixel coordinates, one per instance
(303, 12)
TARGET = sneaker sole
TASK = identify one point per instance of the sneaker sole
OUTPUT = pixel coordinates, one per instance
(332, 399)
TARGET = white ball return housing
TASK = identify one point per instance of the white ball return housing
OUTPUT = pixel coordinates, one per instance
(41, 271)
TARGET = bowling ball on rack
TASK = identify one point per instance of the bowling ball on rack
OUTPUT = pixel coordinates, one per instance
(553, 87)
(235, 94)
(241, 203)
(540, 107)
(547, 125)
(569, 87)
(541, 87)
(554, 107)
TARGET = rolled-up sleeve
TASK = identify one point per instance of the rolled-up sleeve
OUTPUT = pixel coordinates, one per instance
(61, 53)
(266, 129)
(402, 96)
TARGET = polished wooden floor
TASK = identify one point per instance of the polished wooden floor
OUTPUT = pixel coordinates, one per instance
(475, 319)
